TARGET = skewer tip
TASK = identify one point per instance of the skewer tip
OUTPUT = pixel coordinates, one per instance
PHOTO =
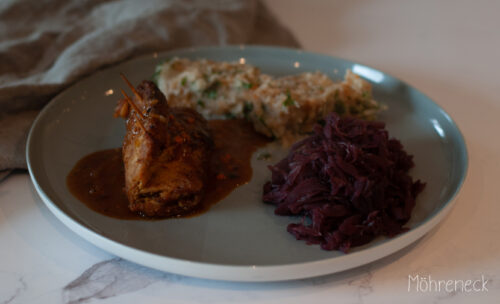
(131, 87)
(132, 104)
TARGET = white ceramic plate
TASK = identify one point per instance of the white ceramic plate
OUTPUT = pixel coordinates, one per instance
(239, 238)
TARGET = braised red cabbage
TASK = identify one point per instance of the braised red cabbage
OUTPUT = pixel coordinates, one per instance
(349, 181)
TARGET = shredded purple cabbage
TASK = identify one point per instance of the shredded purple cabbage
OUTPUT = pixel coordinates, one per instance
(348, 180)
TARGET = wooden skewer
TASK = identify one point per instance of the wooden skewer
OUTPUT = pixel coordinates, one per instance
(131, 87)
(136, 110)
(132, 104)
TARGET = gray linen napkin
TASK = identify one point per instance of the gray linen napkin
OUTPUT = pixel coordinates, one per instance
(45, 46)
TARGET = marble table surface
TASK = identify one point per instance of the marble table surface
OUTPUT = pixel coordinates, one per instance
(447, 49)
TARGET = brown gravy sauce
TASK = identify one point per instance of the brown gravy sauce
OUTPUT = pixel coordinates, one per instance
(98, 179)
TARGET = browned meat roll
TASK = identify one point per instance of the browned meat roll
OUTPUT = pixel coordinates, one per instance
(165, 152)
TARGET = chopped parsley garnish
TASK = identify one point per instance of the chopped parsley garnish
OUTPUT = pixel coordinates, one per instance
(156, 74)
(261, 119)
(200, 103)
(184, 81)
(264, 156)
(212, 94)
(229, 115)
(365, 95)
(247, 85)
(211, 91)
(247, 109)
(288, 101)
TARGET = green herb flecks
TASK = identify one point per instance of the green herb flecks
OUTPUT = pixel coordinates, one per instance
(158, 68)
(247, 109)
(184, 81)
(211, 91)
(262, 121)
(264, 156)
(247, 85)
(201, 103)
(366, 95)
(229, 115)
(289, 100)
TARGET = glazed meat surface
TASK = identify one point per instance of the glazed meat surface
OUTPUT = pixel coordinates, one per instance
(165, 152)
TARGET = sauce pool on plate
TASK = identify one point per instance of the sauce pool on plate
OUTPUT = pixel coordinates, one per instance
(98, 179)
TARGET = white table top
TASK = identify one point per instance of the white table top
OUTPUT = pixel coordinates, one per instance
(447, 49)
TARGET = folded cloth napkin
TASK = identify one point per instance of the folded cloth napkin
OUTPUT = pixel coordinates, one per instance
(47, 45)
